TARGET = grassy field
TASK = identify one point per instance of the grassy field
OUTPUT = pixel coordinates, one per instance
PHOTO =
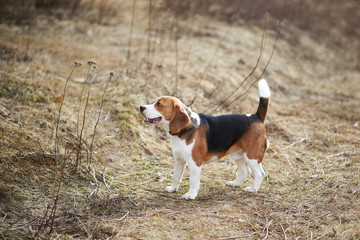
(77, 162)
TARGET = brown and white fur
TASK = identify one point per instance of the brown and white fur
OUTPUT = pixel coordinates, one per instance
(199, 138)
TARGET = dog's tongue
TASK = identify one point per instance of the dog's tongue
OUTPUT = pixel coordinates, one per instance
(152, 120)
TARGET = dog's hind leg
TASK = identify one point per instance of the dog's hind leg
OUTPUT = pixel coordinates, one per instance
(258, 173)
(243, 170)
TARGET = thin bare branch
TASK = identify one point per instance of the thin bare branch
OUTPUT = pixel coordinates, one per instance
(214, 55)
(261, 75)
(186, 60)
(262, 45)
(253, 83)
(192, 101)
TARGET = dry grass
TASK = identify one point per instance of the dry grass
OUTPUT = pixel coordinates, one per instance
(311, 190)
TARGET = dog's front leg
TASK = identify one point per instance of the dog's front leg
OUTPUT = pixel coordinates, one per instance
(195, 174)
(178, 173)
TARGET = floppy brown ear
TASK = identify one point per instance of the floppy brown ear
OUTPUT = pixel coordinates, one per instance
(180, 120)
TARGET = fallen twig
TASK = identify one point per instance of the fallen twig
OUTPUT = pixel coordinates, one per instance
(106, 185)
(238, 236)
(163, 195)
(126, 214)
(177, 212)
(282, 228)
(306, 138)
(267, 230)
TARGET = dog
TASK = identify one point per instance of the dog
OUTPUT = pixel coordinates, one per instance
(200, 138)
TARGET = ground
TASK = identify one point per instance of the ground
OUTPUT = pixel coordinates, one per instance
(311, 188)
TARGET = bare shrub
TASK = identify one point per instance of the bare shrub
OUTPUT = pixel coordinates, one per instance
(22, 11)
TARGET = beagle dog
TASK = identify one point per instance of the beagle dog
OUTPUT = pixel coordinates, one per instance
(200, 138)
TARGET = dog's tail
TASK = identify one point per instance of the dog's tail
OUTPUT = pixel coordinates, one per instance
(264, 92)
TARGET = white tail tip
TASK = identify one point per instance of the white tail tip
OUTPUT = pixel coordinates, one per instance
(264, 89)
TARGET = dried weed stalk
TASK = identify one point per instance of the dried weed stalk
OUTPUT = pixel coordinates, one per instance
(43, 222)
(53, 210)
(26, 57)
(76, 65)
(98, 118)
(176, 55)
(130, 36)
(149, 64)
(48, 221)
(91, 67)
(78, 150)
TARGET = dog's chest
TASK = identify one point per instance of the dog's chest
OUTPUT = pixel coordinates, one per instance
(180, 148)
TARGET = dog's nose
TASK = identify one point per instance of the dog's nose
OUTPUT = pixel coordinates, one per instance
(142, 108)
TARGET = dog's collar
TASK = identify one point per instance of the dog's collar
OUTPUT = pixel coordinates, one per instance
(182, 132)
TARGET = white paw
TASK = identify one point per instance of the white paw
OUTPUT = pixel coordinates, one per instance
(250, 189)
(232, 183)
(189, 196)
(170, 189)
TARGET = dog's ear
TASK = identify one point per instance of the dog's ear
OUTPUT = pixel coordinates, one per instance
(179, 121)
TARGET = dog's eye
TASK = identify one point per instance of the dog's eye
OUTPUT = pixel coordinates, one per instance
(158, 104)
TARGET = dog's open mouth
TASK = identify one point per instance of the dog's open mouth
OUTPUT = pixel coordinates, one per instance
(152, 120)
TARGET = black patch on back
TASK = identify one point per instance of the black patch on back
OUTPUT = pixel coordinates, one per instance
(223, 131)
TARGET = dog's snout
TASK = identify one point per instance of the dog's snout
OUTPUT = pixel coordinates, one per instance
(142, 108)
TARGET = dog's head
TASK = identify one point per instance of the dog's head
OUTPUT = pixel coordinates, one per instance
(169, 111)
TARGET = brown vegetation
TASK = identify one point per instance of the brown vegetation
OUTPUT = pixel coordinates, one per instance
(48, 189)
